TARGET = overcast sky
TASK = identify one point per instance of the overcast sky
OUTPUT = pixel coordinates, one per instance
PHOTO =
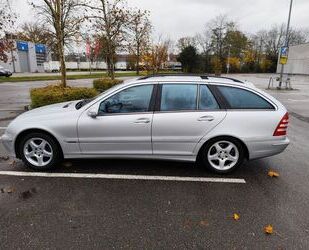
(177, 18)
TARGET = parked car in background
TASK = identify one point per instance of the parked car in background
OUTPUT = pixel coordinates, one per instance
(5, 72)
(217, 121)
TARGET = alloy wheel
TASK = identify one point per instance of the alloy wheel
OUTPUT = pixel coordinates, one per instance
(223, 155)
(38, 152)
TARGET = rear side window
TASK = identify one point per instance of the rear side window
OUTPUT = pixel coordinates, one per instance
(177, 97)
(243, 99)
(207, 100)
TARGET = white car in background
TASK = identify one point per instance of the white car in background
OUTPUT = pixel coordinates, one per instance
(218, 121)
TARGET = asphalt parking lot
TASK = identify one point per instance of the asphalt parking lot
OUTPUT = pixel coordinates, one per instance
(158, 204)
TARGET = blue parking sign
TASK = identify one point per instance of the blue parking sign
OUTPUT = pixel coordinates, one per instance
(22, 46)
(284, 52)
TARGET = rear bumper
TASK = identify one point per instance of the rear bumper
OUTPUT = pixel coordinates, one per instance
(8, 145)
(268, 147)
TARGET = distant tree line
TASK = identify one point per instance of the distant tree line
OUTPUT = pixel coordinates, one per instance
(222, 44)
(111, 27)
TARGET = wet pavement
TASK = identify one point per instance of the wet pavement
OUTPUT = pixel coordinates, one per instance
(88, 213)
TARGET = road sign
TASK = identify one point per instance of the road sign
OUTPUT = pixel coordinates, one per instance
(22, 46)
(284, 51)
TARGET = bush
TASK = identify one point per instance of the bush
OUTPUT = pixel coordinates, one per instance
(103, 84)
(55, 94)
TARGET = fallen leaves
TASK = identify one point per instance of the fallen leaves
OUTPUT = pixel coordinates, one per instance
(13, 163)
(27, 194)
(4, 158)
(204, 223)
(272, 173)
(9, 190)
(236, 216)
(269, 229)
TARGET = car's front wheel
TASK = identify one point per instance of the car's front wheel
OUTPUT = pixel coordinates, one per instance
(223, 155)
(39, 151)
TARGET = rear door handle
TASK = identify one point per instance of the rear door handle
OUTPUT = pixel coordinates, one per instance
(206, 118)
(142, 120)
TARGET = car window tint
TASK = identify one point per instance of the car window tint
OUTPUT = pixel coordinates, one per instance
(135, 99)
(178, 97)
(207, 100)
(244, 99)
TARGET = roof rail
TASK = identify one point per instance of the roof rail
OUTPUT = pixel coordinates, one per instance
(227, 78)
(169, 74)
(205, 77)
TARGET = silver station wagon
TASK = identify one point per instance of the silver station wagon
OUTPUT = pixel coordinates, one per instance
(218, 121)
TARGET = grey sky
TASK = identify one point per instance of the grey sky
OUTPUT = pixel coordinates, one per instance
(177, 18)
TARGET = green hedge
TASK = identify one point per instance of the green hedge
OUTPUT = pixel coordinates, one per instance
(56, 94)
(103, 84)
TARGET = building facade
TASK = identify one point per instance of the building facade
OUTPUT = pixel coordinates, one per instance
(27, 57)
(298, 60)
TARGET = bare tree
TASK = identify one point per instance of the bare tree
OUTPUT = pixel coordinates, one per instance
(109, 19)
(7, 20)
(187, 41)
(38, 33)
(219, 27)
(203, 40)
(35, 32)
(64, 19)
(140, 29)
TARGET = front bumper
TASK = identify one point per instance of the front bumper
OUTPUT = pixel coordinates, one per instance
(8, 145)
(268, 147)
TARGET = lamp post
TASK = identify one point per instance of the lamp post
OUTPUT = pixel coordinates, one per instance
(286, 43)
(228, 60)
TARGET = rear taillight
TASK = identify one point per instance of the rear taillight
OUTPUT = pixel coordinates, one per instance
(282, 126)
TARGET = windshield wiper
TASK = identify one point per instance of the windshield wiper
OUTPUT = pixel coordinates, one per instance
(82, 103)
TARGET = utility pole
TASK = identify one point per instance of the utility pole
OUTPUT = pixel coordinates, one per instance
(228, 61)
(286, 43)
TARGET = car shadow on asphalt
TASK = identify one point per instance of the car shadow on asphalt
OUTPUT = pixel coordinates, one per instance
(144, 167)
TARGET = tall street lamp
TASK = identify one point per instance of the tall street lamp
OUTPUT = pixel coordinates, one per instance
(286, 43)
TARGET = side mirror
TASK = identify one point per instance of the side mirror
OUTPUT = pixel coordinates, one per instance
(92, 113)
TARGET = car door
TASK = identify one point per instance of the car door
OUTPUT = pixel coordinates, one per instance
(185, 114)
(122, 125)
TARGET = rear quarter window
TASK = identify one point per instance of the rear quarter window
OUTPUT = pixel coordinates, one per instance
(239, 98)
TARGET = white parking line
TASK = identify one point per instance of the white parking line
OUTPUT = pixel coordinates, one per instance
(122, 177)
(3, 128)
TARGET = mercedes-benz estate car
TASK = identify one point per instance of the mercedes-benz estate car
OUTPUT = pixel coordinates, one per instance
(219, 122)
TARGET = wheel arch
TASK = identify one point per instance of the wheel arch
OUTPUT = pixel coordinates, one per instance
(33, 130)
(246, 150)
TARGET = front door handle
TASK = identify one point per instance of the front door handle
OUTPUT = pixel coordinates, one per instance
(206, 118)
(142, 120)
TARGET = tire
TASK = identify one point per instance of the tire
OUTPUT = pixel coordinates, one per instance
(39, 151)
(222, 155)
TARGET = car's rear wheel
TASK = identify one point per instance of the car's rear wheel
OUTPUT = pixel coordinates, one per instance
(39, 151)
(223, 155)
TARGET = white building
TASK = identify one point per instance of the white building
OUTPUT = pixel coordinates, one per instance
(298, 60)
(27, 57)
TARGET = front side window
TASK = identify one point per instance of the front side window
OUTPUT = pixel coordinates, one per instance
(131, 100)
(207, 100)
(243, 99)
(177, 97)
